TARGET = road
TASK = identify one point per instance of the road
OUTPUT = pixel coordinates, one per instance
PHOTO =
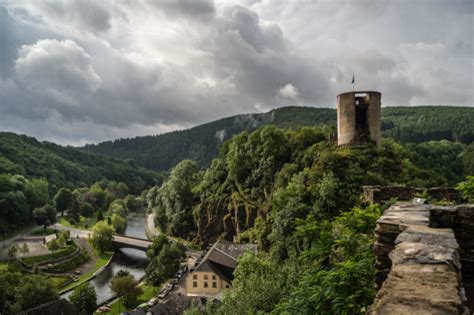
(74, 232)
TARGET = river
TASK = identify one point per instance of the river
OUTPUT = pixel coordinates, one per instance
(132, 260)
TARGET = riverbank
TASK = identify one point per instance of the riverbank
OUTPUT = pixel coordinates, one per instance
(102, 262)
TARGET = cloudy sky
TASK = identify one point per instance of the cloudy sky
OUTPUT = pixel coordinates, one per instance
(84, 71)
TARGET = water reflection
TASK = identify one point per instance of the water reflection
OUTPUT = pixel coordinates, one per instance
(132, 260)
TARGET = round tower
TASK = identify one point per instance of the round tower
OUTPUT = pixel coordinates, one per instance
(358, 118)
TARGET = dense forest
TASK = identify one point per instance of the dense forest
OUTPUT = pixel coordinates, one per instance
(66, 166)
(32, 173)
(201, 143)
(297, 196)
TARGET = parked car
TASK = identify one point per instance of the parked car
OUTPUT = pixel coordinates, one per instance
(152, 302)
(163, 294)
(143, 306)
(103, 309)
(175, 281)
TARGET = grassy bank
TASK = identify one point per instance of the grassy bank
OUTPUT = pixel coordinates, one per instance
(102, 260)
(148, 292)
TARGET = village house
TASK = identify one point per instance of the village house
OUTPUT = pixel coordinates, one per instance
(215, 271)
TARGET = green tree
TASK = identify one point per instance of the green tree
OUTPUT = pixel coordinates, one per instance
(24, 249)
(84, 298)
(37, 193)
(175, 199)
(166, 264)
(75, 210)
(63, 200)
(102, 236)
(54, 245)
(100, 215)
(12, 252)
(258, 285)
(155, 248)
(87, 210)
(119, 223)
(35, 290)
(45, 216)
(467, 188)
(126, 286)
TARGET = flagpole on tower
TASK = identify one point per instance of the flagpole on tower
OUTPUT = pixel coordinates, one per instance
(353, 82)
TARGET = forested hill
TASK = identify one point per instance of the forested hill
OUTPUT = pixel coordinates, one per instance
(201, 143)
(67, 166)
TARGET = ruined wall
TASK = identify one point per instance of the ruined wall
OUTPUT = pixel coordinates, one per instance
(419, 266)
(380, 194)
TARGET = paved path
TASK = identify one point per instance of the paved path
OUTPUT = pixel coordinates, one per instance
(150, 222)
(74, 232)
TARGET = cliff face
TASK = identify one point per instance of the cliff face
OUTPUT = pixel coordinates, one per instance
(419, 254)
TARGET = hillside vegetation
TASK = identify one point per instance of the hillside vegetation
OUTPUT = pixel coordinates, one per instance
(201, 143)
(67, 166)
(297, 196)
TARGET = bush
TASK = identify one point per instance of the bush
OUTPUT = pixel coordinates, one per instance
(70, 264)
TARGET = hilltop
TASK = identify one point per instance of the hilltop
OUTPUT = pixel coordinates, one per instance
(201, 143)
(68, 166)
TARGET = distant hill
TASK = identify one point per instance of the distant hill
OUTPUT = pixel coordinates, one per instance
(67, 166)
(201, 143)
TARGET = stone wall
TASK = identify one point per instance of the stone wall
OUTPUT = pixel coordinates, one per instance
(380, 194)
(347, 133)
(419, 266)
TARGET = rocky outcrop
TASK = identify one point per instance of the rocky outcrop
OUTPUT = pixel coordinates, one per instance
(418, 266)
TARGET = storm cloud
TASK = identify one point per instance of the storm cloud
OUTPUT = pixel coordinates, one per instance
(84, 71)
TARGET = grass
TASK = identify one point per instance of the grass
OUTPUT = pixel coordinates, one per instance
(58, 281)
(40, 232)
(102, 259)
(84, 223)
(148, 292)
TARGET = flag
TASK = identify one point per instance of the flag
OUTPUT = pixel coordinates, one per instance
(353, 78)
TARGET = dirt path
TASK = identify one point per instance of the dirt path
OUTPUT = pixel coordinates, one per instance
(84, 244)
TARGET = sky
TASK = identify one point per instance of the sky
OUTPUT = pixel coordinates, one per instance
(84, 71)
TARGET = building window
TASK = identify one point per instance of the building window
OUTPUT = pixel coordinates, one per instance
(205, 277)
(214, 284)
(205, 284)
(195, 277)
(227, 286)
(195, 284)
(214, 277)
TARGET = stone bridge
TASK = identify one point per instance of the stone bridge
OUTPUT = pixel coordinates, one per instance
(425, 260)
(122, 241)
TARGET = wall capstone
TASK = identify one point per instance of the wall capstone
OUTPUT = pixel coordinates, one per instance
(418, 267)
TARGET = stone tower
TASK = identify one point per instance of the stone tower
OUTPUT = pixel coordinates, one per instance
(358, 118)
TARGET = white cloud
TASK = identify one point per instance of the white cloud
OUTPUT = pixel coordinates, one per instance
(289, 92)
(59, 66)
